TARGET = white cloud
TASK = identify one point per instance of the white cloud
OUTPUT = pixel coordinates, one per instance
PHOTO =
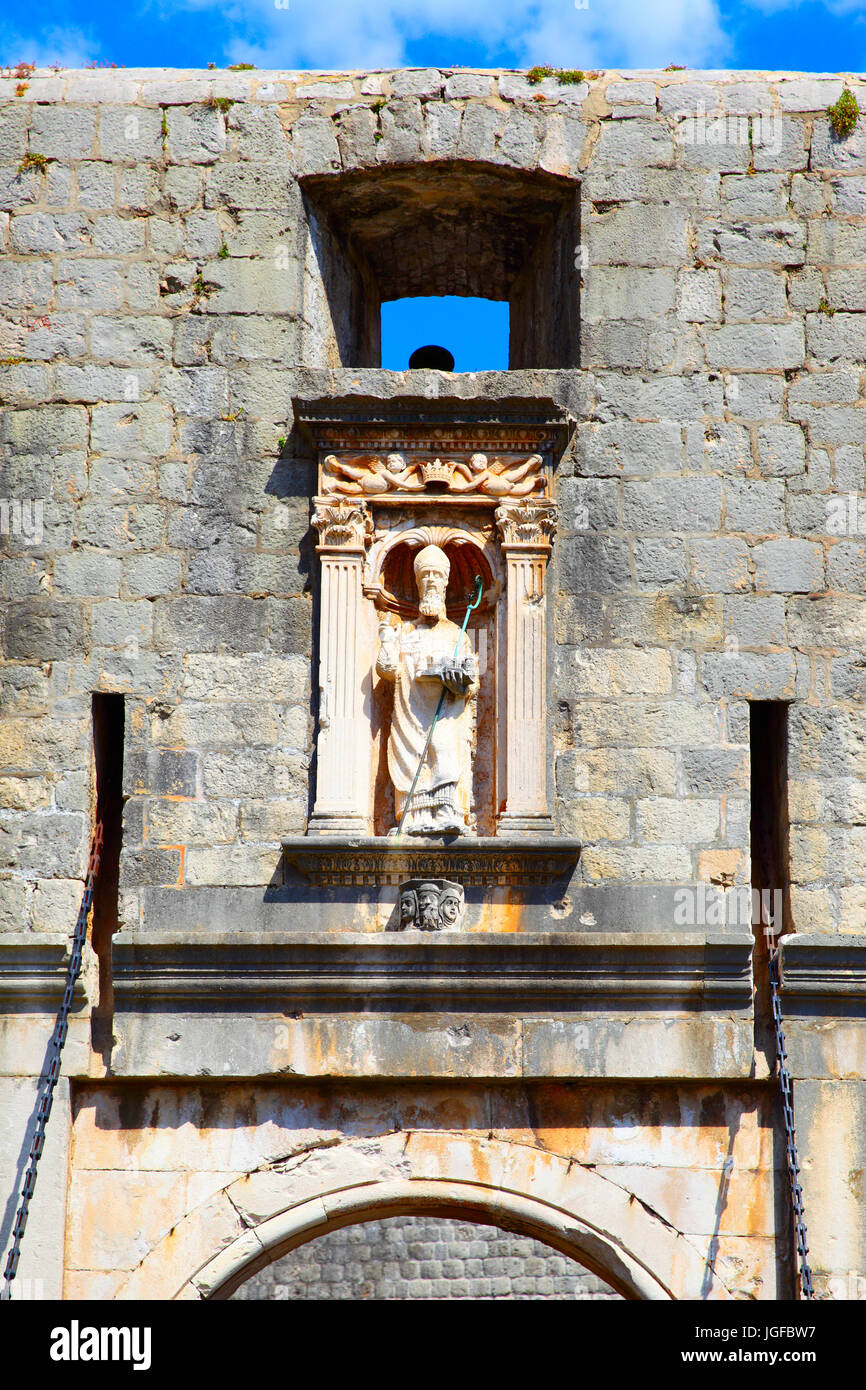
(71, 48)
(378, 33)
(855, 8)
(628, 34)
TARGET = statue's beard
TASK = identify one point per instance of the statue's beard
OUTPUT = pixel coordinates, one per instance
(431, 606)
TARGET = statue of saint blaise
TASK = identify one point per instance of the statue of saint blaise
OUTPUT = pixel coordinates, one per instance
(423, 657)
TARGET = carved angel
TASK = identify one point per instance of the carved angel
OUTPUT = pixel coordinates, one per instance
(498, 479)
(381, 476)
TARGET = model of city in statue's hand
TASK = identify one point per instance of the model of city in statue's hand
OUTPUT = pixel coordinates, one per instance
(423, 657)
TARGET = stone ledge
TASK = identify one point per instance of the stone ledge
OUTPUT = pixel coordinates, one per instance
(33, 972)
(530, 395)
(333, 861)
(362, 971)
(815, 966)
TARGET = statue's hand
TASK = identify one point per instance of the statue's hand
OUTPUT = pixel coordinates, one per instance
(456, 680)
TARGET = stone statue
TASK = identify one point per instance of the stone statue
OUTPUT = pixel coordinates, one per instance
(423, 657)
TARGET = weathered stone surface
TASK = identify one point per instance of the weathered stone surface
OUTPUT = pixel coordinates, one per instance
(171, 293)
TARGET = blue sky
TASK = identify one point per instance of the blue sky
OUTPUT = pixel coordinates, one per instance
(808, 35)
(813, 35)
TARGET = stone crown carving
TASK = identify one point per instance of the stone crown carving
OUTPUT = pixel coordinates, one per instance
(474, 476)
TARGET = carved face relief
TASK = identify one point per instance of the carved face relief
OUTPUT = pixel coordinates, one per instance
(431, 904)
(431, 594)
(449, 907)
(428, 906)
(408, 908)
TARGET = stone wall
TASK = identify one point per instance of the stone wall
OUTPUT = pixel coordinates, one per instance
(413, 1257)
(162, 300)
(184, 265)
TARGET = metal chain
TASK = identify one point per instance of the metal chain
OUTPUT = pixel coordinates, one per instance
(806, 1288)
(51, 1072)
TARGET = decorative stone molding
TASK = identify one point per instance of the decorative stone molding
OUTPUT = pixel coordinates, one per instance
(412, 969)
(33, 972)
(526, 525)
(526, 529)
(820, 966)
(430, 905)
(489, 861)
(473, 475)
(345, 530)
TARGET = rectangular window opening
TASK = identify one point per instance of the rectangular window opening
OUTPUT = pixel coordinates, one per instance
(768, 745)
(108, 729)
(768, 740)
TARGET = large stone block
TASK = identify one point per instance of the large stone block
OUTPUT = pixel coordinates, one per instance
(639, 236)
(44, 630)
(594, 564)
(207, 624)
(673, 504)
(788, 566)
(753, 346)
(614, 673)
(721, 566)
(62, 132)
(196, 134)
(130, 134)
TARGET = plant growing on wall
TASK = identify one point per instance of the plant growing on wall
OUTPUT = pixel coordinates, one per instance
(565, 76)
(843, 115)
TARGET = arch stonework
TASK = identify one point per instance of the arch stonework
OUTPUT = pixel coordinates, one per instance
(567, 1204)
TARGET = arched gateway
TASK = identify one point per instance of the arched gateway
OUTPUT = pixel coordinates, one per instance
(515, 1186)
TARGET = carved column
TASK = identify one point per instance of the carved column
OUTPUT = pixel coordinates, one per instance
(526, 528)
(342, 782)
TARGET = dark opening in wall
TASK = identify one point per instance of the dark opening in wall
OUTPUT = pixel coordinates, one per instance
(439, 229)
(768, 738)
(768, 742)
(474, 331)
(108, 726)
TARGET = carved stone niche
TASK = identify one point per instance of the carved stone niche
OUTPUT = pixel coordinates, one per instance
(472, 479)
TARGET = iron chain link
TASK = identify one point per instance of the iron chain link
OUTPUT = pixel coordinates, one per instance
(51, 1071)
(791, 1155)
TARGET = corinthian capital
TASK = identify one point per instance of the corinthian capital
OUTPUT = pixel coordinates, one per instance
(528, 524)
(342, 524)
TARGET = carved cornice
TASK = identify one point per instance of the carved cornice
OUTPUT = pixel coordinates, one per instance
(492, 861)
(820, 966)
(33, 972)
(433, 423)
(342, 524)
(418, 970)
(526, 525)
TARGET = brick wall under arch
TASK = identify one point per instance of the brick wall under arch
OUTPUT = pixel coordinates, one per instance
(423, 1257)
